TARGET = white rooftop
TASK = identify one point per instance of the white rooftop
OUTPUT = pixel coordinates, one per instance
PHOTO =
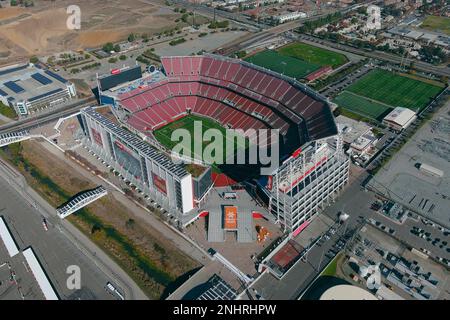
(400, 116)
(347, 292)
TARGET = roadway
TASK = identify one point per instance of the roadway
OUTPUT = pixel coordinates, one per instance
(270, 33)
(61, 246)
(43, 118)
(380, 55)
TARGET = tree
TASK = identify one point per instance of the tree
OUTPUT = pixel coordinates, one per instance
(130, 223)
(95, 228)
(117, 48)
(131, 37)
(123, 57)
(34, 59)
(112, 60)
(108, 47)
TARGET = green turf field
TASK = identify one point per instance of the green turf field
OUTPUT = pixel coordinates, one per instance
(164, 134)
(435, 23)
(394, 90)
(362, 106)
(313, 54)
(286, 65)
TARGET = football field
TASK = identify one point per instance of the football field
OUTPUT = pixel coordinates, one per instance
(164, 136)
(286, 65)
(362, 106)
(435, 23)
(395, 90)
(312, 54)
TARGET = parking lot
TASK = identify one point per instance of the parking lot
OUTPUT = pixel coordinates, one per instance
(16, 280)
(426, 194)
(404, 271)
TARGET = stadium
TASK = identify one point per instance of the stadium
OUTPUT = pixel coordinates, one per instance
(226, 93)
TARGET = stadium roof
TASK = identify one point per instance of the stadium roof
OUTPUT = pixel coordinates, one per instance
(138, 144)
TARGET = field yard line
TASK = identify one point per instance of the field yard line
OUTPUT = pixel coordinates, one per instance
(370, 99)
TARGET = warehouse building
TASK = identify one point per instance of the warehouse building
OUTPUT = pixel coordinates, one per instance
(399, 119)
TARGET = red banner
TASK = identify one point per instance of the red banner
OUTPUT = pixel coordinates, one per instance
(97, 137)
(159, 183)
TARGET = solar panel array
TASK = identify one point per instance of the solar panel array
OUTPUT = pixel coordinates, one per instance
(137, 144)
(219, 290)
(41, 79)
(3, 93)
(55, 76)
(45, 95)
(3, 72)
(14, 87)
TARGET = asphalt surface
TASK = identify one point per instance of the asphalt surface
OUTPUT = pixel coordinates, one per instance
(43, 118)
(52, 248)
(356, 202)
(61, 246)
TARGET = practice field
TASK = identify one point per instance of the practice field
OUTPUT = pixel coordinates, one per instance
(164, 134)
(313, 54)
(362, 106)
(280, 63)
(435, 23)
(394, 90)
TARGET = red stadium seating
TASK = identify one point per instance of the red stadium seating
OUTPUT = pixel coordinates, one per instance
(229, 91)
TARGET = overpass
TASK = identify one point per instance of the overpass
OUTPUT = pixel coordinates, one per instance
(80, 201)
(13, 137)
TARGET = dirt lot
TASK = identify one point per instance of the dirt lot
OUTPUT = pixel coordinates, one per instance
(42, 30)
(139, 248)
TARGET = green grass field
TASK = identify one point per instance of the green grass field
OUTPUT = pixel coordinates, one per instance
(7, 111)
(164, 134)
(312, 54)
(394, 90)
(362, 106)
(434, 23)
(286, 65)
